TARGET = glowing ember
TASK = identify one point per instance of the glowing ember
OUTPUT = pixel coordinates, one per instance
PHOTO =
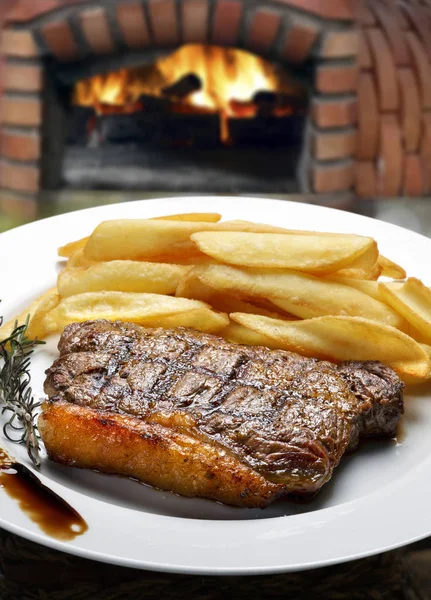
(229, 77)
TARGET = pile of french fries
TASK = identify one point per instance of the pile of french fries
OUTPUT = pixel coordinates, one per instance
(318, 294)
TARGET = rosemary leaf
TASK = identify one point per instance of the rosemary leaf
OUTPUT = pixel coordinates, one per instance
(16, 396)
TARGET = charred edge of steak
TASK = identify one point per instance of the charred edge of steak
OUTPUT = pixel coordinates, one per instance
(380, 393)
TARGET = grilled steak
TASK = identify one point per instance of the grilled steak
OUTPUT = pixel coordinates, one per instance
(193, 414)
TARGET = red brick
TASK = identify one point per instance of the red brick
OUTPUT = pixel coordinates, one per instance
(195, 17)
(365, 16)
(21, 111)
(391, 6)
(59, 39)
(334, 145)
(421, 67)
(390, 171)
(364, 56)
(387, 83)
(336, 79)
(25, 10)
(164, 22)
(299, 42)
(19, 177)
(328, 9)
(20, 146)
(335, 113)
(415, 181)
(340, 44)
(227, 22)
(133, 25)
(23, 78)
(419, 19)
(18, 43)
(96, 30)
(365, 179)
(411, 113)
(333, 178)
(393, 32)
(368, 118)
(425, 149)
(263, 30)
(16, 205)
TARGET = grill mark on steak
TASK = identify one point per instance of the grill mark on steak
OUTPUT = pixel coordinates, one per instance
(287, 417)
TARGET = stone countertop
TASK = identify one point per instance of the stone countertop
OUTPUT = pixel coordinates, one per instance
(32, 572)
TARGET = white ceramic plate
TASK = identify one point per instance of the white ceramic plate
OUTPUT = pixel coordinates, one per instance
(378, 499)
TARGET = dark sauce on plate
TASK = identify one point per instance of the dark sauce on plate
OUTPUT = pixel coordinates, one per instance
(52, 514)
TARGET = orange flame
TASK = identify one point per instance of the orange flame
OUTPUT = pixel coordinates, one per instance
(226, 74)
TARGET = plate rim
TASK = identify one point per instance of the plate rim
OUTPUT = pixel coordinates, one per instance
(209, 570)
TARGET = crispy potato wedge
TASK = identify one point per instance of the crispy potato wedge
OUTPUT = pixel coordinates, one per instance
(202, 319)
(200, 217)
(412, 300)
(192, 286)
(427, 349)
(44, 302)
(72, 247)
(364, 266)
(371, 288)
(121, 276)
(238, 334)
(77, 259)
(346, 338)
(317, 254)
(228, 303)
(391, 269)
(116, 306)
(140, 239)
(37, 326)
(67, 250)
(298, 294)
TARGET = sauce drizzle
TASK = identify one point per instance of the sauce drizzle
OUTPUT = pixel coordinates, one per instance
(52, 514)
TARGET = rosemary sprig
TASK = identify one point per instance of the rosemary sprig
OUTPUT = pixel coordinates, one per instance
(16, 395)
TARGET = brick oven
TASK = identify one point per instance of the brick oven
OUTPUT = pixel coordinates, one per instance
(362, 65)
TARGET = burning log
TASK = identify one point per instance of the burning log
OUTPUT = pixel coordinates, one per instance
(268, 104)
(188, 84)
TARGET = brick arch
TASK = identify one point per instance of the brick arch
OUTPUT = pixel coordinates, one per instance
(289, 31)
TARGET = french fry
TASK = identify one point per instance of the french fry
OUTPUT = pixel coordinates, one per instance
(202, 319)
(77, 259)
(200, 217)
(37, 327)
(192, 286)
(228, 303)
(319, 254)
(412, 300)
(142, 239)
(361, 274)
(143, 309)
(72, 247)
(371, 288)
(298, 294)
(390, 268)
(67, 250)
(345, 338)
(238, 334)
(44, 300)
(121, 276)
